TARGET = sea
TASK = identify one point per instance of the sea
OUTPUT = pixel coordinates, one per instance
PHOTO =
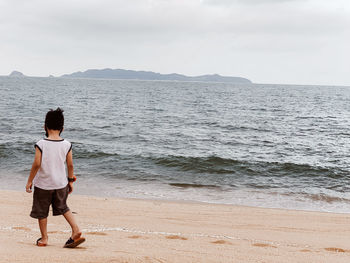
(274, 146)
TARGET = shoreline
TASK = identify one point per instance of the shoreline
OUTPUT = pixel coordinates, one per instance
(193, 202)
(173, 200)
(123, 188)
(138, 230)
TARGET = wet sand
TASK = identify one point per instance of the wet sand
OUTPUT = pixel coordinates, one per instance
(131, 230)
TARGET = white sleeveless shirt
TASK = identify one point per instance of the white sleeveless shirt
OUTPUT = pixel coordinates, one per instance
(52, 172)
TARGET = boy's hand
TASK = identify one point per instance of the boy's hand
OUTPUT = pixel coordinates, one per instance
(70, 185)
(29, 187)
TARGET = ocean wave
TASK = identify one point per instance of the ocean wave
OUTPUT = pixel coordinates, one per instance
(230, 127)
(314, 197)
(91, 154)
(211, 164)
(90, 151)
(218, 165)
(8, 149)
(214, 165)
(187, 185)
(2, 151)
(327, 198)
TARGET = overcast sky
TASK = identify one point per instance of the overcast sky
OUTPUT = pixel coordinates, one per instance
(267, 41)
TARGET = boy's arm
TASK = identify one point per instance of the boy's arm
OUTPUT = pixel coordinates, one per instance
(35, 167)
(70, 168)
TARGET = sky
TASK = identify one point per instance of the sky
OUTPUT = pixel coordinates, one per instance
(266, 41)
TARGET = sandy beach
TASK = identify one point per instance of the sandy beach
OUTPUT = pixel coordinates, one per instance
(131, 230)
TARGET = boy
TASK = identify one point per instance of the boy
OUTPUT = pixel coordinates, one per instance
(51, 185)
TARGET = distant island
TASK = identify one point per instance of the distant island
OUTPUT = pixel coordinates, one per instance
(149, 75)
(16, 74)
(143, 75)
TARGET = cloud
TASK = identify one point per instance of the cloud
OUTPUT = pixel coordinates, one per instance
(249, 38)
(247, 2)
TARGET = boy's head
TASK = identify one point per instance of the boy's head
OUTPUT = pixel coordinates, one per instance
(54, 120)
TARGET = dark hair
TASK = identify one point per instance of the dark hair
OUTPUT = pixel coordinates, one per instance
(54, 120)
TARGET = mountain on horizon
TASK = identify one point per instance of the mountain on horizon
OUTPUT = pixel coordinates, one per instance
(16, 74)
(149, 75)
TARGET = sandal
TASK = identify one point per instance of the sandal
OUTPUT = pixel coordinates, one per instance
(72, 243)
(39, 244)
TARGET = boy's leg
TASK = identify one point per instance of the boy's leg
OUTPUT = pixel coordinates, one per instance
(40, 210)
(43, 230)
(59, 207)
(75, 228)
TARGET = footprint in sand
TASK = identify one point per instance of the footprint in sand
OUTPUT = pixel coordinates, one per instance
(134, 237)
(263, 245)
(21, 228)
(335, 249)
(175, 237)
(221, 242)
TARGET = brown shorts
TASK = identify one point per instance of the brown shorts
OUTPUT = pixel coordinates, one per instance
(42, 199)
